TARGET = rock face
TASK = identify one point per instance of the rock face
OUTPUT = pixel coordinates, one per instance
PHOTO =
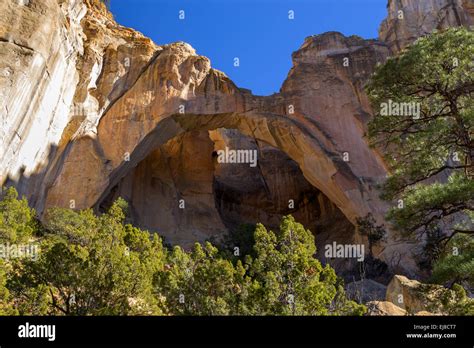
(410, 297)
(92, 110)
(366, 290)
(40, 43)
(408, 20)
(419, 298)
(384, 308)
(407, 294)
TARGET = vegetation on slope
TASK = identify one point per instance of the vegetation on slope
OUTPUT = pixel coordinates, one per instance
(100, 265)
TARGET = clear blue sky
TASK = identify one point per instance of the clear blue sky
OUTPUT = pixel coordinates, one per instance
(258, 32)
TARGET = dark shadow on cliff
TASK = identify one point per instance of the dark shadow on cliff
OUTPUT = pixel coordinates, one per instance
(34, 186)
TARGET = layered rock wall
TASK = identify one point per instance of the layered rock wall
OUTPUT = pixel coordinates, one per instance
(40, 42)
(407, 20)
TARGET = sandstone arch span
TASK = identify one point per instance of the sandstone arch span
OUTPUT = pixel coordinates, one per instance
(325, 170)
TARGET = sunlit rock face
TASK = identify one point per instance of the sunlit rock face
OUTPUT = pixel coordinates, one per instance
(92, 110)
(178, 81)
(52, 53)
(40, 42)
(407, 20)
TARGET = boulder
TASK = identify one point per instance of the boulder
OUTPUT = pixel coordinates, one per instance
(366, 290)
(377, 308)
(419, 298)
(385, 308)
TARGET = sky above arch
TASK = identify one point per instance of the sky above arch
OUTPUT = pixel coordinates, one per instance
(258, 32)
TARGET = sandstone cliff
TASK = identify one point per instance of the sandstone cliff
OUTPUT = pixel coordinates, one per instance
(408, 20)
(92, 110)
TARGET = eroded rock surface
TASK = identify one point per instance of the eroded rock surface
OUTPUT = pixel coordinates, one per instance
(366, 290)
(418, 298)
(384, 308)
(185, 173)
(407, 20)
(40, 46)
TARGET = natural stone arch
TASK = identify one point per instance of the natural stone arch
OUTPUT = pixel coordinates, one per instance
(325, 170)
(321, 165)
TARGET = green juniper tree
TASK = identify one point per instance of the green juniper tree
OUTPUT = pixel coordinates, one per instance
(17, 220)
(199, 282)
(6, 302)
(90, 265)
(18, 226)
(284, 277)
